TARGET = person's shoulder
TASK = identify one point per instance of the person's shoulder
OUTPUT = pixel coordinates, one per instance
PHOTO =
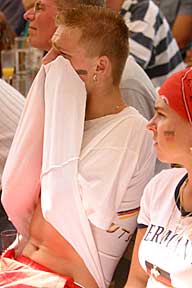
(138, 8)
(135, 125)
(175, 171)
(170, 175)
(130, 113)
(163, 184)
(135, 6)
(9, 92)
(137, 89)
(4, 86)
(133, 72)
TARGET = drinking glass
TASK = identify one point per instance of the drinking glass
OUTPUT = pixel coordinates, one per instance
(7, 238)
(22, 55)
(7, 65)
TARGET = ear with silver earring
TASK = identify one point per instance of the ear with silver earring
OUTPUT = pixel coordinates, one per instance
(95, 77)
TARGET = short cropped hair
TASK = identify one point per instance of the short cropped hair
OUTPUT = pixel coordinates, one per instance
(62, 4)
(103, 33)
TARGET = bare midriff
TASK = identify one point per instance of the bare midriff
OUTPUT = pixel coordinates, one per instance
(48, 248)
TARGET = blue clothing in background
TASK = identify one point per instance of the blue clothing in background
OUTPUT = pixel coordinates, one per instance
(14, 10)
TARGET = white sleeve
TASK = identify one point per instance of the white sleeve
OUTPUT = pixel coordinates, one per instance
(148, 199)
(144, 214)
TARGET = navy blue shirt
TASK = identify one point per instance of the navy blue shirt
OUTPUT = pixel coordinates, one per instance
(14, 10)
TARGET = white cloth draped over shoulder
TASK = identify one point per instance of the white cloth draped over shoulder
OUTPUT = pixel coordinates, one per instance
(45, 157)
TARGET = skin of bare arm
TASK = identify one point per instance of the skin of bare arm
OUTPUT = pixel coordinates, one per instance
(137, 277)
(182, 30)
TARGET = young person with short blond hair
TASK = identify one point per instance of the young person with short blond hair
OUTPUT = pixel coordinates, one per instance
(78, 185)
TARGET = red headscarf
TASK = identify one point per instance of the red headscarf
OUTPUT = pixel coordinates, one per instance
(177, 90)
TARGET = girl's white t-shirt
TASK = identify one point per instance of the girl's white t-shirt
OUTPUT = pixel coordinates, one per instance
(166, 243)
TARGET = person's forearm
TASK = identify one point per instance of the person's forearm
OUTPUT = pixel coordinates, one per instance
(182, 30)
(137, 277)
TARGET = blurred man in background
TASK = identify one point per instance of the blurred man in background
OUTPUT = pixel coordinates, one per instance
(151, 41)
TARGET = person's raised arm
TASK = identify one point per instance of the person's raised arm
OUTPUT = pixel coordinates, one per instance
(137, 277)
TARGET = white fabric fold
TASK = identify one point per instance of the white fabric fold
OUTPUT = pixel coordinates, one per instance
(47, 145)
(21, 175)
(61, 199)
